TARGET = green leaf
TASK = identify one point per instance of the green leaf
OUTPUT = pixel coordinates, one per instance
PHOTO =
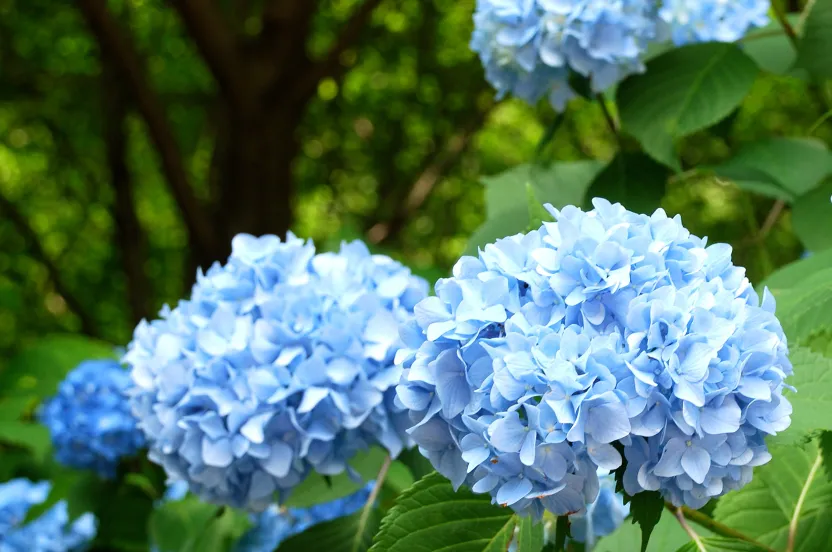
(38, 369)
(816, 42)
(34, 437)
(419, 465)
(721, 544)
(806, 310)
(221, 534)
(565, 182)
(537, 212)
(15, 408)
(347, 534)
(813, 401)
(399, 477)
(794, 274)
(646, 509)
(430, 516)
(770, 163)
(820, 342)
(771, 49)
(315, 489)
(683, 91)
(764, 509)
(530, 536)
(666, 535)
(176, 526)
(811, 216)
(633, 179)
(507, 199)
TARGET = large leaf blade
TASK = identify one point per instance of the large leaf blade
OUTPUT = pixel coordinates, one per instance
(766, 508)
(683, 91)
(430, 516)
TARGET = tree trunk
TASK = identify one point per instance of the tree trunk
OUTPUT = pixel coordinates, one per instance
(254, 168)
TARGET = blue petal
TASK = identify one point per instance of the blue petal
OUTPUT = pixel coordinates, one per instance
(696, 462)
(508, 433)
(514, 490)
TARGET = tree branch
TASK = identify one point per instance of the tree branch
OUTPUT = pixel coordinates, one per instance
(88, 325)
(331, 65)
(215, 41)
(129, 234)
(425, 183)
(109, 36)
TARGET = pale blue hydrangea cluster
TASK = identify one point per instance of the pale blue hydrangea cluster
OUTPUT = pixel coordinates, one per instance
(602, 517)
(274, 525)
(280, 363)
(606, 328)
(693, 21)
(51, 532)
(529, 47)
(90, 420)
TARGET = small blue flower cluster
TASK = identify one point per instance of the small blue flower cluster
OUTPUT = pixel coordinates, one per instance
(51, 532)
(281, 362)
(604, 327)
(692, 21)
(602, 517)
(89, 419)
(274, 525)
(529, 47)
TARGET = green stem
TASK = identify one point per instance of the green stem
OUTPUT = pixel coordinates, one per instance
(561, 529)
(611, 123)
(712, 525)
(784, 22)
(371, 500)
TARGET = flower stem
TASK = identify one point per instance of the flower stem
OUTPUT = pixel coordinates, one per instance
(784, 22)
(371, 500)
(689, 530)
(611, 123)
(799, 506)
(714, 526)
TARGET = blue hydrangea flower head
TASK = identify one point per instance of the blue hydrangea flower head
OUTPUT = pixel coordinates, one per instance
(274, 525)
(528, 47)
(602, 517)
(51, 532)
(691, 21)
(280, 363)
(605, 326)
(90, 420)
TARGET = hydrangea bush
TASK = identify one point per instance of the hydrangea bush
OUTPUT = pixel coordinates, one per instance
(90, 420)
(279, 364)
(584, 364)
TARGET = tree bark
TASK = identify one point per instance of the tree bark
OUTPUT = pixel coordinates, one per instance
(130, 238)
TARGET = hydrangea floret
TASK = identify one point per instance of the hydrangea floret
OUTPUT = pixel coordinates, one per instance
(89, 419)
(279, 363)
(51, 532)
(606, 328)
(529, 48)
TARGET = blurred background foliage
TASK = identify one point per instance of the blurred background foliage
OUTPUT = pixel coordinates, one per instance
(386, 143)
